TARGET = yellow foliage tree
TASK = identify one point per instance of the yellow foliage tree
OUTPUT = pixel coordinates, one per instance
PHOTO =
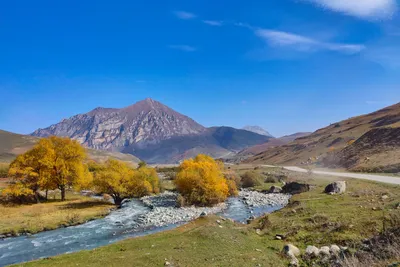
(17, 191)
(67, 161)
(32, 170)
(120, 181)
(55, 162)
(201, 181)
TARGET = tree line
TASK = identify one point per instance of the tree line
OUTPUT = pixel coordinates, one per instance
(62, 163)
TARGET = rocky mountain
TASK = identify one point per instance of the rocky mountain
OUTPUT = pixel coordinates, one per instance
(146, 122)
(368, 142)
(151, 131)
(257, 130)
(12, 144)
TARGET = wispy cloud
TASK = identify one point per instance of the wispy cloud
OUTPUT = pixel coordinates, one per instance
(303, 43)
(213, 22)
(184, 15)
(367, 9)
(185, 48)
(387, 56)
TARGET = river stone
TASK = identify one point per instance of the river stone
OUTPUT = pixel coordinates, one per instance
(275, 189)
(312, 251)
(338, 187)
(291, 251)
(335, 250)
(294, 188)
(325, 251)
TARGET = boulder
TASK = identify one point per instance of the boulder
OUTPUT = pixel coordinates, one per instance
(338, 187)
(335, 250)
(275, 189)
(312, 251)
(295, 188)
(291, 251)
(325, 251)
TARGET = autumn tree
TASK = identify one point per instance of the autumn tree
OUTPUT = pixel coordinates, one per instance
(55, 162)
(67, 162)
(120, 181)
(201, 181)
(32, 171)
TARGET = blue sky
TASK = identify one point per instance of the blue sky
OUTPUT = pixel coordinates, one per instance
(285, 65)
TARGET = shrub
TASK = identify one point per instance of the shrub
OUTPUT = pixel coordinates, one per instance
(17, 192)
(251, 179)
(201, 181)
(4, 170)
(270, 179)
(231, 175)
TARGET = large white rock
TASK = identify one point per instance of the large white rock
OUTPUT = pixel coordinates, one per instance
(312, 251)
(291, 251)
(338, 187)
(325, 251)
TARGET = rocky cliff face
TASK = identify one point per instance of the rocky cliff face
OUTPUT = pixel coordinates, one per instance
(146, 122)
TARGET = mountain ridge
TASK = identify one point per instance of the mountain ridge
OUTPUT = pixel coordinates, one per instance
(152, 131)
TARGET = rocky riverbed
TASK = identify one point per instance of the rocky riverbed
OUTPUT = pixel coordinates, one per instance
(256, 199)
(164, 211)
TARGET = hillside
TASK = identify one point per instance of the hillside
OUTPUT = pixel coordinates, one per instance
(152, 132)
(12, 144)
(365, 142)
(273, 142)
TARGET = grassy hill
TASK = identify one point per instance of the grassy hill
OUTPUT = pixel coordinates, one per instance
(335, 145)
(12, 144)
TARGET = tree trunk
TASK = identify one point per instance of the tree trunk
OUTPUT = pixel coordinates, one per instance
(47, 194)
(62, 188)
(117, 201)
(37, 197)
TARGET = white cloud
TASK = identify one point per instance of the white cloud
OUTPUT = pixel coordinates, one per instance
(213, 22)
(186, 48)
(303, 43)
(184, 15)
(367, 9)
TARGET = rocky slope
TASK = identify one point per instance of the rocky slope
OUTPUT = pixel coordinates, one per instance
(146, 122)
(366, 142)
(257, 130)
(151, 131)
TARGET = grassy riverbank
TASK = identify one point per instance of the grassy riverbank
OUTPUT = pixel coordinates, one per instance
(313, 218)
(16, 219)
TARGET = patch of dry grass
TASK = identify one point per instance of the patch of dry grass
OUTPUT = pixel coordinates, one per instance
(50, 215)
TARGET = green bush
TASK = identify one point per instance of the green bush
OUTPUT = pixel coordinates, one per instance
(251, 179)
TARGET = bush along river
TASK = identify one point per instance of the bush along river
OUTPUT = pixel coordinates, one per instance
(137, 217)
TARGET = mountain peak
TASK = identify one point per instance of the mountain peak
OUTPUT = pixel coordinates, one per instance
(145, 122)
(257, 130)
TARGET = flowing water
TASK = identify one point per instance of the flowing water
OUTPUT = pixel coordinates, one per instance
(120, 224)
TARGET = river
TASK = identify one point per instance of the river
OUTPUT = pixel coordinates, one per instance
(118, 225)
